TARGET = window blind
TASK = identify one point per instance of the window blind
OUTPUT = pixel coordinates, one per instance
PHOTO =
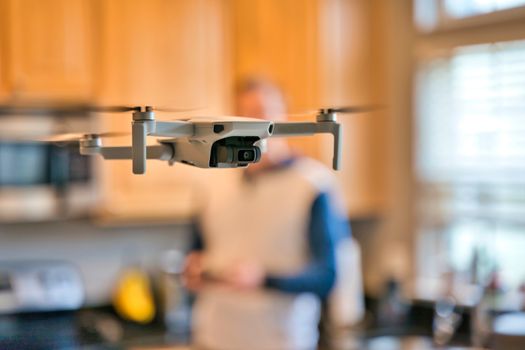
(470, 107)
(470, 154)
(465, 8)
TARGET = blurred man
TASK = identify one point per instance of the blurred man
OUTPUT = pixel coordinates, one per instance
(264, 252)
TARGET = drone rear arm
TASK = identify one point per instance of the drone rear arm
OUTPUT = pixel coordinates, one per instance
(310, 128)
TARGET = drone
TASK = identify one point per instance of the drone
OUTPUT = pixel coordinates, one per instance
(204, 142)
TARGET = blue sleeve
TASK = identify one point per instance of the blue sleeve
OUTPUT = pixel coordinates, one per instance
(319, 276)
(196, 241)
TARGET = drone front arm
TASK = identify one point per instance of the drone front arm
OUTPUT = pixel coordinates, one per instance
(311, 128)
(294, 129)
(160, 152)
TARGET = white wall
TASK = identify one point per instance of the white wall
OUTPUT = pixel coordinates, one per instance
(99, 252)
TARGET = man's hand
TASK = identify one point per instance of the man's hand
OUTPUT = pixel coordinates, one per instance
(244, 275)
(192, 272)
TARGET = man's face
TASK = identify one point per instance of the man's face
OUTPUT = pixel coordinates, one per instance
(257, 103)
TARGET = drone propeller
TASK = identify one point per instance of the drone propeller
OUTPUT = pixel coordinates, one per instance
(61, 109)
(175, 110)
(77, 109)
(112, 109)
(342, 110)
(121, 109)
(303, 113)
(350, 109)
(72, 137)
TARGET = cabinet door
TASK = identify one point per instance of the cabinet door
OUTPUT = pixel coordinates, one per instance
(51, 48)
(351, 74)
(3, 49)
(278, 39)
(161, 53)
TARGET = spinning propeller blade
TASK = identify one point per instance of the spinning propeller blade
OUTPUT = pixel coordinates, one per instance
(175, 110)
(342, 110)
(71, 137)
(351, 109)
(76, 109)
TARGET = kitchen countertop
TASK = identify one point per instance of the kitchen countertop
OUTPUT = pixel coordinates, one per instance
(379, 343)
(101, 329)
(86, 329)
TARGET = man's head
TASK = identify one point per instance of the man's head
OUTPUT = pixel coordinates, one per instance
(259, 98)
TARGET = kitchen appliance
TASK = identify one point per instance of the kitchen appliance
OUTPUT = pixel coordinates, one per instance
(38, 180)
(30, 286)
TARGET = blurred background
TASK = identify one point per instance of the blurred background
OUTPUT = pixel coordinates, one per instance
(434, 182)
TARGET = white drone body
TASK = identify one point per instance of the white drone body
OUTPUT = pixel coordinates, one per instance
(223, 142)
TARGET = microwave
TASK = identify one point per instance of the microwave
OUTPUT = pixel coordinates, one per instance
(44, 181)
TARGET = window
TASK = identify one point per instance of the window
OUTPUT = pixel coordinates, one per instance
(470, 151)
(458, 9)
(432, 15)
(471, 107)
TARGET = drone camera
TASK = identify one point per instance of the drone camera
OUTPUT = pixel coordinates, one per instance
(235, 152)
(247, 155)
(231, 156)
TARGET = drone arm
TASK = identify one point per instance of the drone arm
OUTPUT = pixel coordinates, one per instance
(294, 129)
(161, 152)
(311, 128)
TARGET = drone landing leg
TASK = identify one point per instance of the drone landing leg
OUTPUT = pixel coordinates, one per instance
(138, 152)
(308, 128)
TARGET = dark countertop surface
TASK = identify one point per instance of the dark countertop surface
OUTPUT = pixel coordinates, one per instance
(102, 329)
(86, 329)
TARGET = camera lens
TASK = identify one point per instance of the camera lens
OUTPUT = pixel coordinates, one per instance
(246, 155)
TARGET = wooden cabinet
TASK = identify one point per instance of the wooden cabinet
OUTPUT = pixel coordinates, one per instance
(167, 53)
(186, 54)
(3, 49)
(161, 53)
(278, 40)
(49, 49)
(352, 73)
(322, 53)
